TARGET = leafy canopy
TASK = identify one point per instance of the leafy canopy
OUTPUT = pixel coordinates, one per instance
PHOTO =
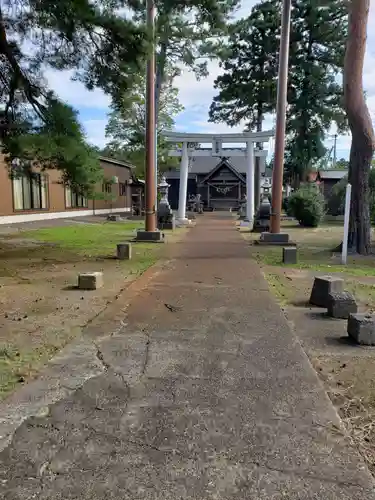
(247, 87)
(105, 44)
(127, 123)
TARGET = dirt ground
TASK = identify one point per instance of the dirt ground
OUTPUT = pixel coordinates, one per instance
(346, 369)
(41, 309)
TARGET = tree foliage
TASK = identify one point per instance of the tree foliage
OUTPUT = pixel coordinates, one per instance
(247, 87)
(127, 123)
(185, 33)
(314, 96)
(248, 83)
(104, 46)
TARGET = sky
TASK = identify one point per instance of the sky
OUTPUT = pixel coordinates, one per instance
(195, 96)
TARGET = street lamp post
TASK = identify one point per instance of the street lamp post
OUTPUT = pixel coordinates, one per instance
(282, 87)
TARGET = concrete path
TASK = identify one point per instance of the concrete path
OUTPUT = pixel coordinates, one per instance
(205, 394)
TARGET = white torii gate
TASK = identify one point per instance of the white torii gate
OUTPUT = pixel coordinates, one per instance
(217, 141)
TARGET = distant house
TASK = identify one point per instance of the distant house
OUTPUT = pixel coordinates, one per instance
(41, 195)
(328, 179)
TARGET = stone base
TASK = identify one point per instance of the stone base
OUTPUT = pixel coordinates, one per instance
(124, 251)
(261, 227)
(341, 305)
(275, 238)
(323, 287)
(90, 281)
(150, 236)
(290, 255)
(361, 328)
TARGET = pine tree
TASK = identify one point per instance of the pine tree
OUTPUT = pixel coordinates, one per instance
(247, 87)
(314, 96)
(105, 43)
(185, 34)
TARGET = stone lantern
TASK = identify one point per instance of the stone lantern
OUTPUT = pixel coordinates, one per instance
(165, 215)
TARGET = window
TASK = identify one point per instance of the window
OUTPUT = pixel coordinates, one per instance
(30, 192)
(107, 187)
(74, 199)
(122, 189)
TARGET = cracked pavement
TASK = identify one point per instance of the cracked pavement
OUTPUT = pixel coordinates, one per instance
(211, 399)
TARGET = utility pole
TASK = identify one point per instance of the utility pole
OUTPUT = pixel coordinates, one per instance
(150, 125)
(334, 151)
(282, 86)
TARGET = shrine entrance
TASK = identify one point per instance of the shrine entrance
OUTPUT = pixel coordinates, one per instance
(223, 188)
(220, 191)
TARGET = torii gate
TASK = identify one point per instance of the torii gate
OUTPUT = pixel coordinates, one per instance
(217, 141)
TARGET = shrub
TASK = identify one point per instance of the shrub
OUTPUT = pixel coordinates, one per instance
(307, 206)
(336, 200)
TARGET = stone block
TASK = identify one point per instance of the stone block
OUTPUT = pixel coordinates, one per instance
(124, 251)
(290, 255)
(361, 327)
(323, 287)
(114, 217)
(90, 281)
(341, 305)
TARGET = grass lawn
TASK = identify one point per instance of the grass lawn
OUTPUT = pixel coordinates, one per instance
(87, 239)
(346, 370)
(315, 251)
(40, 308)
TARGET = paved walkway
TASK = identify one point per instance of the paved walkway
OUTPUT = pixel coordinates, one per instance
(206, 394)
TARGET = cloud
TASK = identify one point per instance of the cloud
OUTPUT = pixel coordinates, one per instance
(75, 93)
(95, 132)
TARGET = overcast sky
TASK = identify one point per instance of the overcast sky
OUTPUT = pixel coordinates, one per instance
(196, 96)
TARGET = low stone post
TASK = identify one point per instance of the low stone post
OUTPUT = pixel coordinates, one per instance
(90, 281)
(124, 251)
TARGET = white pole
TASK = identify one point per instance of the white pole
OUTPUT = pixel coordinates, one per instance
(250, 183)
(344, 254)
(184, 173)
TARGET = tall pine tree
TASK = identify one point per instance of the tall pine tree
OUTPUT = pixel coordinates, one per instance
(314, 95)
(316, 60)
(247, 87)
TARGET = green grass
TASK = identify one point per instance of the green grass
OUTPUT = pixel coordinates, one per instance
(87, 239)
(315, 252)
(278, 288)
(22, 357)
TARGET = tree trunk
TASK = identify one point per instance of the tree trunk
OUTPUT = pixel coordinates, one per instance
(360, 124)
(257, 174)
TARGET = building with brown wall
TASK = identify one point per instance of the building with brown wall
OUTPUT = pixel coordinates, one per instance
(43, 196)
